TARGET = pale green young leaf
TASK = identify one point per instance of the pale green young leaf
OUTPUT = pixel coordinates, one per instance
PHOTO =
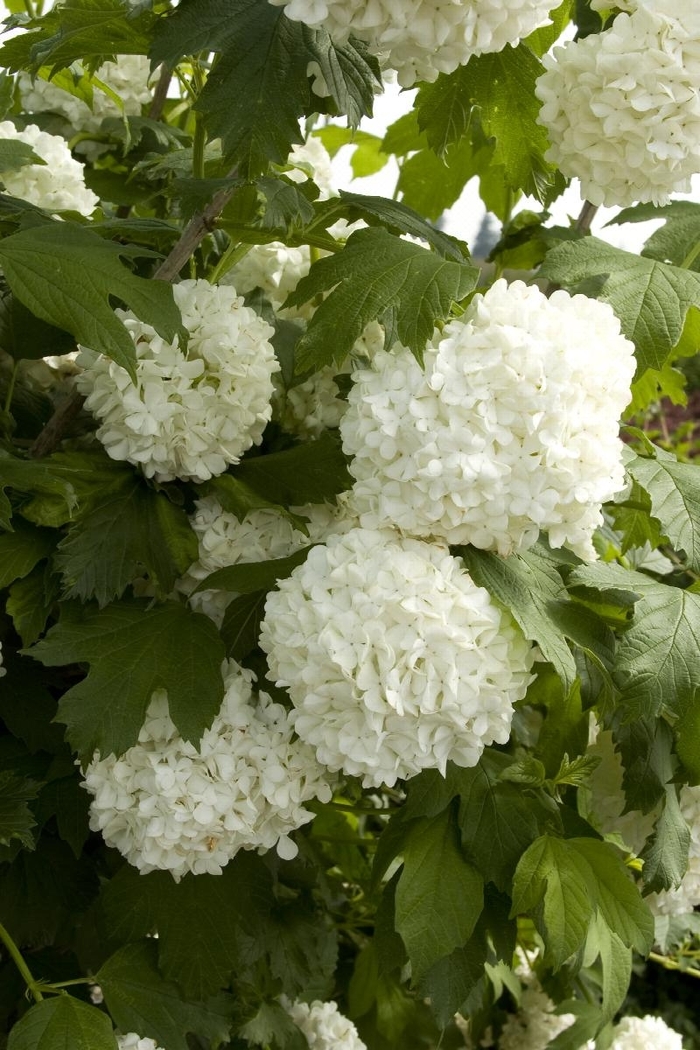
(377, 277)
(530, 587)
(665, 855)
(131, 530)
(439, 896)
(542, 39)
(67, 275)
(430, 183)
(674, 491)
(620, 902)
(650, 298)
(133, 650)
(556, 886)
(16, 818)
(22, 549)
(633, 518)
(140, 1000)
(63, 1023)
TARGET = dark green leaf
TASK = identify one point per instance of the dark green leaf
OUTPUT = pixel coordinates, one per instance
(666, 854)
(674, 491)
(133, 650)
(531, 588)
(63, 1023)
(651, 299)
(82, 29)
(140, 1000)
(22, 549)
(253, 576)
(351, 74)
(237, 497)
(66, 275)
(16, 818)
(68, 801)
(308, 473)
(29, 603)
(30, 476)
(646, 749)
(450, 980)
(15, 154)
(272, 1025)
(618, 899)
(26, 337)
(439, 896)
(377, 276)
(131, 531)
(241, 627)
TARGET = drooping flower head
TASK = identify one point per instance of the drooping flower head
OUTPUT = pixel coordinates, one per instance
(58, 184)
(622, 108)
(421, 38)
(394, 659)
(189, 414)
(168, 804)
(511, 428)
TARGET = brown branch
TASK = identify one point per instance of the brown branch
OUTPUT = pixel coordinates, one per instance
(160, 93)
(50, 437)
(586, 217)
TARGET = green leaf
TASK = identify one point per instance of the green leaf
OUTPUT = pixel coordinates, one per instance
(501, 86)
(308, 473)
(646, 749)
(16, 818)
(430, 183)
(450, 980)
(29, 603)
(439, 896)
(140, 1000)
(377, 276)
(253, 576)
(239, 498)
(665, 855)
(542, 39)
(367, 156)
(552, 874)
(81, 29)
(617, 897)
(30, 476)
(241, 627)
(651, 299)
(272, 1025)
(68, 801)
(22, 549)
(25, 337)
(66, 275)
(531, 588)
(132, 530)
(498, 820)
(633, 519)
(63, 1023)
(674, 491)
(133, 650)
(15, 154)
(394, 216)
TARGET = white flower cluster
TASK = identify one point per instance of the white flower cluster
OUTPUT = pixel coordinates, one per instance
(645, 1033)
(323, 1025)
(535, 1026)
(622, 108)
(312, 159)
(422, 38)
(58, 184)
(189, 414)
(166, 804)
(394, 659)
(132, 1041)
(511, 428)
(127, 77)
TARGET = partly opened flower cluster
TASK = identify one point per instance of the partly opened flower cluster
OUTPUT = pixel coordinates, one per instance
(394, 659)
(166, 803)
(190, 413)
(503, 434)
(622, 108)
(421, 38)
(324, 1026)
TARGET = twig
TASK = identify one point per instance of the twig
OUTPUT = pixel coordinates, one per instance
(50, 437)
(160, 93)
(586, 217)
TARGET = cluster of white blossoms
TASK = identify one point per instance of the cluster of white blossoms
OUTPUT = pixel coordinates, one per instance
(422, 38)
(168, 804)
(394, 659)
(58, 184)
(622, 108)
(323, 1025)
(511, 428)
(535, 1026)
(127, 78)
(132, 1041)
(190, 413)
(645, 1033)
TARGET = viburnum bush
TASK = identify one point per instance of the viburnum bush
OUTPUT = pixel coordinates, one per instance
(350, 616)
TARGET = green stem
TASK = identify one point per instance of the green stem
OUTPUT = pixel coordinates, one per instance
(362, 810)
(55, 985)
(671, 964)
(29, 8)
(691, 257)
(200, 137)
(18, 959)
(233, 254)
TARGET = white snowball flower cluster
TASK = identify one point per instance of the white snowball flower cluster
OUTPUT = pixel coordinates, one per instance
(127, 77)
(189, 414)
(512, 427)
(323, 1025)
(166, 804)
(394, 659)
(132, 1041)
(685, 897)
(535, 1026)
(58, 184)
(645, 1033)
(314, 156)
(622, 108)
(422, 38)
